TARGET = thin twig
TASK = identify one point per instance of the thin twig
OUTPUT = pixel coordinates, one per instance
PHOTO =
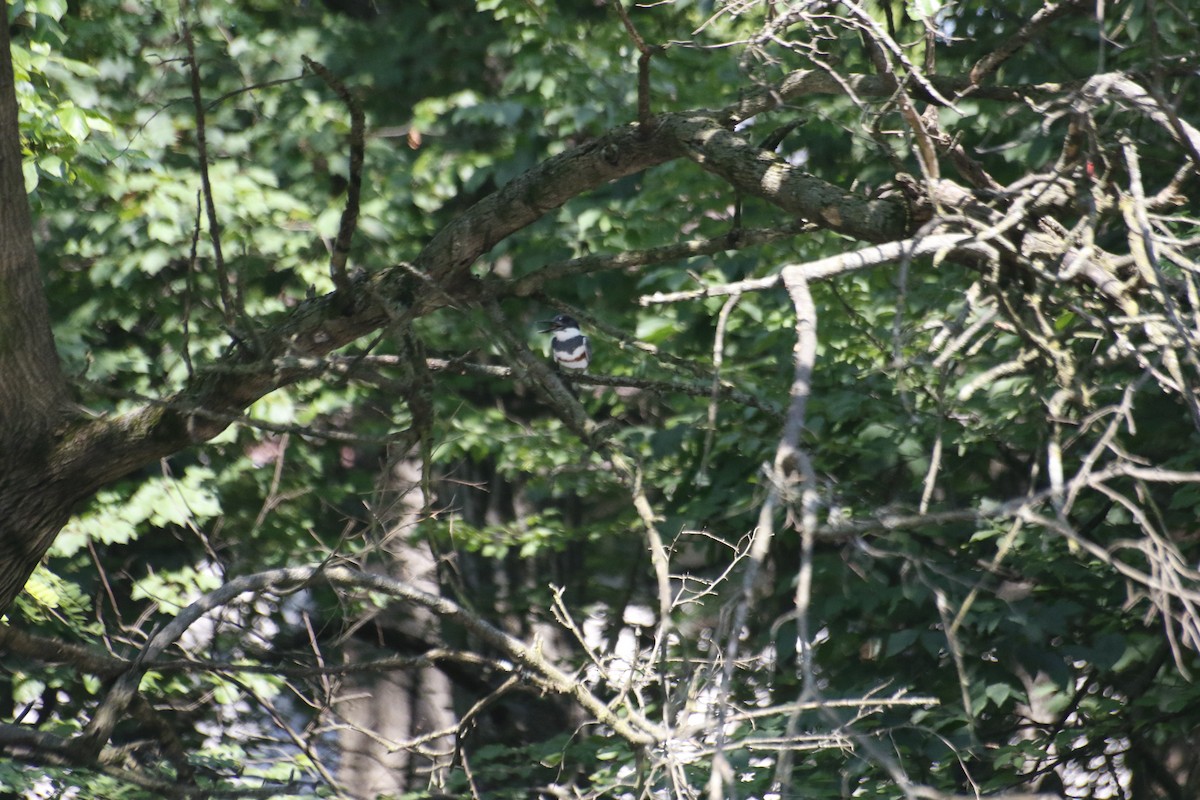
(647, 52)
(718, 356)
(214, 226)
(832, 266)
(792, 465)
(1026, 33)
(349, 222)
(740, 239)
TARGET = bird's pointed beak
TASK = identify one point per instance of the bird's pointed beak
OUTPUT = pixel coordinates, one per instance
(548, 325)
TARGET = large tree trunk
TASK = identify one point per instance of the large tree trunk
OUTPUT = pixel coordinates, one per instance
(33, 391)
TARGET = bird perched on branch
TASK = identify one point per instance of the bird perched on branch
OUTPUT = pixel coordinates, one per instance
(569, 345)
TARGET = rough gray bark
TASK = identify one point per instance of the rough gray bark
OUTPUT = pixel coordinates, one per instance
(33, 392)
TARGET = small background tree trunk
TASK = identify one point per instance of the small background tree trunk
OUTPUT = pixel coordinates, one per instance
(389, 709)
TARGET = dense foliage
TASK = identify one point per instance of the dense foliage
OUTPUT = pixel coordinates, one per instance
(918, 521)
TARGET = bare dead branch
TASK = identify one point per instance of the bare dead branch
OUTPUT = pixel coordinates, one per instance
(1100, 88)
(834, 266)
(349, 221)
(730, 155)
(632, 726)
(734, 240)
(1026, 33)
(717, 358)
(214, 225)
(647, 52)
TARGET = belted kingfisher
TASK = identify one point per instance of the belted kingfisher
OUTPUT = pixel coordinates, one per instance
(570, 347)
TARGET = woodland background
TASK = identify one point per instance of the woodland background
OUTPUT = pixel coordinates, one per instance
(883, 481)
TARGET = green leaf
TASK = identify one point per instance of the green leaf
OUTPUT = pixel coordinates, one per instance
(924, 9)
(656, 329)
(74, 122)
(900, 641)
(30, 172)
